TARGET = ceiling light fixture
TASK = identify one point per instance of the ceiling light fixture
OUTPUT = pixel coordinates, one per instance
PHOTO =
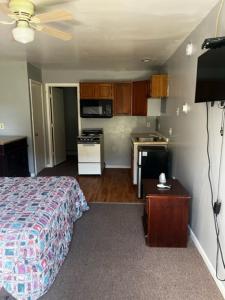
(23, 33)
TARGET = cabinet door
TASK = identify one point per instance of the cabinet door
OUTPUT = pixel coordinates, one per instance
(87, 90)
(132, 163)
(140, 95)
(104, 91)
(95, 90)
(122, 98)
(159, 86)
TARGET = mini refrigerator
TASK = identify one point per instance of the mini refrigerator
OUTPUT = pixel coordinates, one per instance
(152, 161)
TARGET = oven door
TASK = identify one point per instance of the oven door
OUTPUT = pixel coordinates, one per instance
(95, 108)
(89, 153)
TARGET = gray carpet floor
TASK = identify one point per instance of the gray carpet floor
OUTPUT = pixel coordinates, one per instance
(109, 260)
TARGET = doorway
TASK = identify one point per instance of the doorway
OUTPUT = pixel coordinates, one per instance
(38, 126)
(63, 126)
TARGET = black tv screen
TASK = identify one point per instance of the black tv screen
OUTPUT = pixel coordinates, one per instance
(210, 82)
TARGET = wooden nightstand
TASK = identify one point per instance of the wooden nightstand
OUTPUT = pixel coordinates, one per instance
(165, 214)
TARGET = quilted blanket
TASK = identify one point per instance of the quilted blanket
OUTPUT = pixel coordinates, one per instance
(36, 224)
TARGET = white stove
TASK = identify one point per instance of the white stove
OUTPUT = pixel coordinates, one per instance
(90, 146)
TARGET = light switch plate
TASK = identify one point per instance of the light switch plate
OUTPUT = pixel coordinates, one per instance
(2, 126)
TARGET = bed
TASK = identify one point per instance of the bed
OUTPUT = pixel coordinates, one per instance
(36, 226)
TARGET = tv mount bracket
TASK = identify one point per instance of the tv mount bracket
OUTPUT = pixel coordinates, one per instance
(213, 43)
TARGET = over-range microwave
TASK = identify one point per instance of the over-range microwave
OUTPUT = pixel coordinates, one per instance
(96, 108)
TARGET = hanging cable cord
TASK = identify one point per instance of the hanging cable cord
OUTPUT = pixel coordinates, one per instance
(219, 251)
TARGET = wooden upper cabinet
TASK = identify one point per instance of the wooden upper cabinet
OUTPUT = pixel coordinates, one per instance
(87, 90)
(159, 86)
(122, 98)
(140, 94)
(94, 90)
(104, 91)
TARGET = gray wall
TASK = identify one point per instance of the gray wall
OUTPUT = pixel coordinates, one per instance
(15, 102)
(69, 76)
(117, 142)
(71, 123)
(188, 142)
(34, 72)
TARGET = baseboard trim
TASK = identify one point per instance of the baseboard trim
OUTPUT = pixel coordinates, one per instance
(117, 167)
(207, 262)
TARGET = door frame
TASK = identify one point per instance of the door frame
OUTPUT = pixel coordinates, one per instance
(32, 122)
(48, 115)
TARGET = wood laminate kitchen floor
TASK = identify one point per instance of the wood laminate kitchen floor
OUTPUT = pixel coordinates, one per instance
(115, 185)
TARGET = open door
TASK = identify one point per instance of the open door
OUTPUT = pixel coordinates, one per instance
(58, 125)
(37, 116)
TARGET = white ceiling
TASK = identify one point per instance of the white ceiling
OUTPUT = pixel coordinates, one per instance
(111, 34)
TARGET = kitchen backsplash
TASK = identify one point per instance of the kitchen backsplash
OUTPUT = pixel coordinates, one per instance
(117, 132)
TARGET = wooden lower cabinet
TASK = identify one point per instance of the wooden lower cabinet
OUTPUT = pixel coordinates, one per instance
(165, 216)
(122, 99)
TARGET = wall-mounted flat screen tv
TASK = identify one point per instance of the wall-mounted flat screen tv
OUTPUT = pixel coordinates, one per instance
(210, 82)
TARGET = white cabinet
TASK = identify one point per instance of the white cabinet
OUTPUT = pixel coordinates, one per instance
(134, 152)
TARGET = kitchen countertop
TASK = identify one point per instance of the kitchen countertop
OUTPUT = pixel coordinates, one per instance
(5, 139)
(135, 138)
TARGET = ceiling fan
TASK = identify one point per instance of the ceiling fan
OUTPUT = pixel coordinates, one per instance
(22, 13)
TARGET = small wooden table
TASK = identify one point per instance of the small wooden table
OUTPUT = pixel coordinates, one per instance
(166, 214)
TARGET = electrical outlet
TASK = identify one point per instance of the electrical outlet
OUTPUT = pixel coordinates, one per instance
(2, 126)
(148, 124)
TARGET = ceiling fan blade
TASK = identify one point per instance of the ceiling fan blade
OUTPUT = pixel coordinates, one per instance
(4, 8)
(8, 23)
(45, 3)
(52, 16)
(62, 35)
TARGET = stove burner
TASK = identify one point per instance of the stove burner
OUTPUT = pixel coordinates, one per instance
(88, 139)
(90, 136)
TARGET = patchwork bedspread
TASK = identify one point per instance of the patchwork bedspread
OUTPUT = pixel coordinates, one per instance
(36, 224)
